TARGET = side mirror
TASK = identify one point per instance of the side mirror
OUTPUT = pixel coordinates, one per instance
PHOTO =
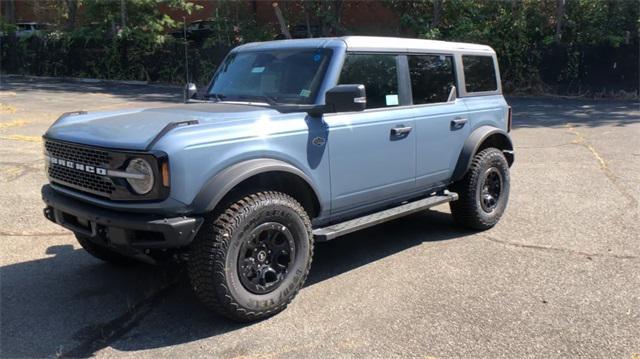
(190, 91)
(346, 98)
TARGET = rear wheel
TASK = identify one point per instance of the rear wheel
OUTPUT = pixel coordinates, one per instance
(250, 261)
(483, 191)
(104, 253)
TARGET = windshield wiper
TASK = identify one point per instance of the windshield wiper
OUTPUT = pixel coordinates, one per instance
(281, 107)
(217, 96)
(269, 100)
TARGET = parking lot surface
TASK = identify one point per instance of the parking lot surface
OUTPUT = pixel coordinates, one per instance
(558, 276)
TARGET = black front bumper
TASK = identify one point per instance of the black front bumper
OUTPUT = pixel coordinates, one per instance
(121, 230)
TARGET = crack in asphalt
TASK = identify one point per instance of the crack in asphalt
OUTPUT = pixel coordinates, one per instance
(582, 141)
(115, 329)
(557, 249)
(15, 172)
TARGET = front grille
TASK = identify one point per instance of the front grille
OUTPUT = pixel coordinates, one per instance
(75, 153)
(79, 179)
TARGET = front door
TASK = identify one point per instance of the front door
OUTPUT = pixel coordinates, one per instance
(372, 153)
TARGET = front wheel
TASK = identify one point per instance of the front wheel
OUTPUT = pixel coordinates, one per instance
(483, 191)
(250, 261)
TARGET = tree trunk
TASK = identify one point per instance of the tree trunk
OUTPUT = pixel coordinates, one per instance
(560, 11)
(8, 9)
(72, 10)
(254, 8)
(337, 24)
(283, 24)
(123, 13)
(305, 9)
(334, 20)
(437, 7)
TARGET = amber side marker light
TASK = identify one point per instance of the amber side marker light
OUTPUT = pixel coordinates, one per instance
(165, 174)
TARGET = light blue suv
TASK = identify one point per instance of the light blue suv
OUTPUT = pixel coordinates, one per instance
(292, 141)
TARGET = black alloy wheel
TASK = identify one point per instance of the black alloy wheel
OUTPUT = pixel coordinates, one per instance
(491, 189)
(265, 257)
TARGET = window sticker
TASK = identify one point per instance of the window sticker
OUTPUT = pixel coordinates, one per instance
(317, 57)
(392, 100)
(305, 93)
(257, 70)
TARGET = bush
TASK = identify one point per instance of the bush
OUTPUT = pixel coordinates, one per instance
(128, 56)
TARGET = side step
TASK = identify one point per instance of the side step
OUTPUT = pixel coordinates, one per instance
(340, 229)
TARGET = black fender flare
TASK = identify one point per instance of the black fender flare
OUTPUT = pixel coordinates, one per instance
(472, 145)
(224, 181)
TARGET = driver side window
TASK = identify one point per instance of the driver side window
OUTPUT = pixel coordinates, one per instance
(378, 73)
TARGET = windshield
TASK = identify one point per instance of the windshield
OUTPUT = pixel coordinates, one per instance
(290, 76)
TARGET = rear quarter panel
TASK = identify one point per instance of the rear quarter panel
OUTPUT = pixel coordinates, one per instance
(491, 110)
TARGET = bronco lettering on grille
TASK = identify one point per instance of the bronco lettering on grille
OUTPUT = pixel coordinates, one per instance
(78, 166)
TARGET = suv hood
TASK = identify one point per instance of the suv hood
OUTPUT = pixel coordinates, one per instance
(137, 128)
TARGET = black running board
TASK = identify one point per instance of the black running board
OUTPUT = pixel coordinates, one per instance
(340, 229)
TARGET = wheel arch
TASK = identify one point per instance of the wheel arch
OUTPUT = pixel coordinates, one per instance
(259, 174)
(481, 138)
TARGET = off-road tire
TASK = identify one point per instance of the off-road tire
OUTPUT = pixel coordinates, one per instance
(468, 210)
(214, 256)
(104, 253)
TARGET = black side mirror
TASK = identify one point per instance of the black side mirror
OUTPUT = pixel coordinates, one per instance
(346, 98)
(190, 91)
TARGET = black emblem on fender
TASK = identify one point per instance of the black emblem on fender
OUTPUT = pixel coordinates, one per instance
(319, 141)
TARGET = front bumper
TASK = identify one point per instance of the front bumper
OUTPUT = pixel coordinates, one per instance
(121, 230)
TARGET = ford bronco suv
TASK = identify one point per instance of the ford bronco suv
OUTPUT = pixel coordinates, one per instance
(292, 142)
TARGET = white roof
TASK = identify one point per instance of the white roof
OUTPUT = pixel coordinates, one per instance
(398, 44)
(376, 44)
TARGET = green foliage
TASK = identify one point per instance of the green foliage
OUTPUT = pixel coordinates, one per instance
(596, 37)
(523, 32)
(139, 15)
(233, 26)
(132, 57)
(6, 27)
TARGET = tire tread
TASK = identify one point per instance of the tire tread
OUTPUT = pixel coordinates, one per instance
(207, 259)
(466, 210)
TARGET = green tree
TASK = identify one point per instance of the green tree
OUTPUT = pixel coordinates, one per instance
(127, 16)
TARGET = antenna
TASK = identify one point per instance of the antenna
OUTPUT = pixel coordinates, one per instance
(186, 59)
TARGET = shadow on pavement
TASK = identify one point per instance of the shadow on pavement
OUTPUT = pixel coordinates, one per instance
(141, 93)
(550, 112)
(73, 305)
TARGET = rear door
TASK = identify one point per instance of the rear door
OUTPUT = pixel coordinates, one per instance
(442, 119)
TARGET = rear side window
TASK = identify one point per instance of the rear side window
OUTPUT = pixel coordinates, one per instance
(378, 73)
(479, 73)
(432, 77)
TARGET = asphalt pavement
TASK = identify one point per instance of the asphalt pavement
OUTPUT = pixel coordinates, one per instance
(559, 276)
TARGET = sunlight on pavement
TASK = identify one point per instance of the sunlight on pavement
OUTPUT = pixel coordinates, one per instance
(4, 108)
(22, 138)
(13, 123)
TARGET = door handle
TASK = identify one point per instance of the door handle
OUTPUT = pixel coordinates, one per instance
(458, 123)
(400, 131)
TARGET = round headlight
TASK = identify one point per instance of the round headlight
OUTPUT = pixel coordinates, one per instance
(143, 182)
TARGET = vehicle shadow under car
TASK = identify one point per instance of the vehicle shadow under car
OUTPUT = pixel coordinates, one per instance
(72, 305)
